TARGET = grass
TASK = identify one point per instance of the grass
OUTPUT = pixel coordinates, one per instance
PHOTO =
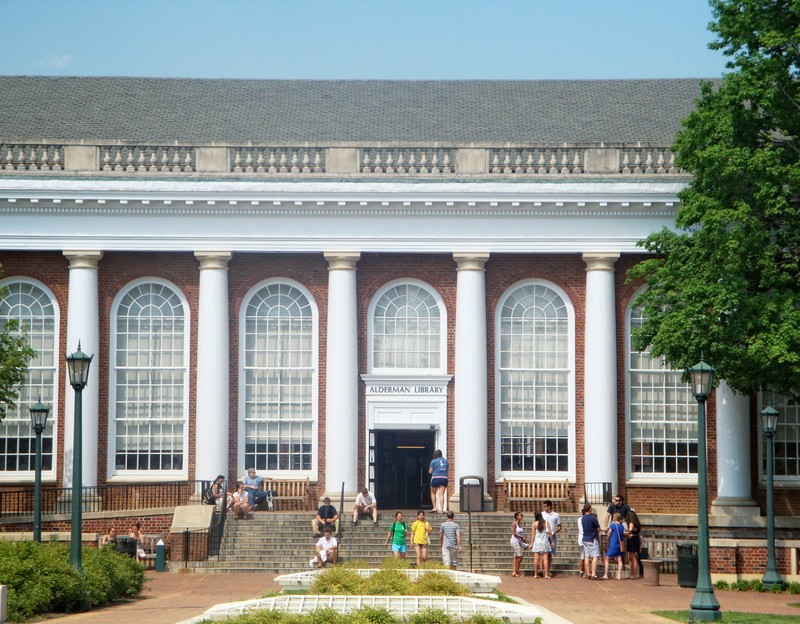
(734, 617)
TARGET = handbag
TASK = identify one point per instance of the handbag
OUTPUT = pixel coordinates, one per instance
(623, 543)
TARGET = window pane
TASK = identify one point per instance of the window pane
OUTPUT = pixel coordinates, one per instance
(150, 376)
(278, 379)
(406, 329)
(786, 451)
(534, 381)
(663, 415)
(35, 311)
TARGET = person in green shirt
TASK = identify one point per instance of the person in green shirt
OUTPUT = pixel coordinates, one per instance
(397, 533)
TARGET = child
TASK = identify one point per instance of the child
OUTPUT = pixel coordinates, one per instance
(420, 529)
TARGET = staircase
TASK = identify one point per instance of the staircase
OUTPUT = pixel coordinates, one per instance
(281, 543)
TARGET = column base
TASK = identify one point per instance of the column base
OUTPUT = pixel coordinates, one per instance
(454, 503)
(729, 506)
(348, 505)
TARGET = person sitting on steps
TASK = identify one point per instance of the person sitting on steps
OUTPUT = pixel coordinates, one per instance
(327, 516)
(327, 549)
(367, 505)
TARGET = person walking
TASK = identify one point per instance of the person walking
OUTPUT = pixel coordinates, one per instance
(518, 543)
(450, 540)
(420, 530)
(438, 471)
(397, 534)
(591, 542)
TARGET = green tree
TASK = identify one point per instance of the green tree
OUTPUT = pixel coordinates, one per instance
(726, 281)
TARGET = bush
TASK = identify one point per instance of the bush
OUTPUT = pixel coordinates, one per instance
(793, 588)
(431, 616)
(338, 581)
(40, 579)
(484, 619)
(370, 615)
(393, 563)
(387, 583)
(437, 584)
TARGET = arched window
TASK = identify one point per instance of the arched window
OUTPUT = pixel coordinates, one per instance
(34, 307)
(278, 379)
(535, 380)
(786, 451)
(149, 368)
(662, 415)
(407, 329)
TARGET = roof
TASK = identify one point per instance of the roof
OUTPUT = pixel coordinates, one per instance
(325, 111)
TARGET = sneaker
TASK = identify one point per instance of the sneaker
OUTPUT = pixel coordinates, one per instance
(355, 522)
(312, 563)
(375, 523)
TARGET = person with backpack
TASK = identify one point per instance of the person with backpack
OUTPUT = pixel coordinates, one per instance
(397, 533)
(215, 492)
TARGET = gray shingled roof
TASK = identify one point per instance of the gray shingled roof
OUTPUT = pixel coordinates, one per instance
(170, 109)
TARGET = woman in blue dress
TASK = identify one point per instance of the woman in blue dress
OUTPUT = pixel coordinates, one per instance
(438, 472)
(616, 537)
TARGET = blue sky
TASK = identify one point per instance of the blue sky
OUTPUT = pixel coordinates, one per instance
(359, 39)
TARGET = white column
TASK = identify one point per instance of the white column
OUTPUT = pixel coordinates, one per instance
(341, 382)
(470, 394)
(212, 415)
(733, 454)
(600, 371)
(83, 325)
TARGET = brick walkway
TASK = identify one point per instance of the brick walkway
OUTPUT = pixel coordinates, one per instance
(171, 598)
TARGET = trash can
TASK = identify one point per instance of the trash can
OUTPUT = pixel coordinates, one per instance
(126, 546)
(687, 564)
(652, 571)
(471, 493)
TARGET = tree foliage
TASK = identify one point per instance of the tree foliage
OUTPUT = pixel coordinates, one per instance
(15, 355)
(726, 280)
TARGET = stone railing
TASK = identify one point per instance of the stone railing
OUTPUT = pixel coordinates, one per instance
(367, 161)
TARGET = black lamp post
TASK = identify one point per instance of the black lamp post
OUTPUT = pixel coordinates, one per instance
(78, 364)
(39, 414)
(704, 606)
(769, 418)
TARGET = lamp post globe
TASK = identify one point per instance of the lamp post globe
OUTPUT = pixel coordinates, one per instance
(704, 606)
(78, 364)
(39, 413)
(769, 420)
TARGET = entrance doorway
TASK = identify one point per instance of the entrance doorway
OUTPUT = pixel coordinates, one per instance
(401, 460)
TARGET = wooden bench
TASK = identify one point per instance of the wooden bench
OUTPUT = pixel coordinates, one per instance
(288, 492)
(518, 490)
(147, 552)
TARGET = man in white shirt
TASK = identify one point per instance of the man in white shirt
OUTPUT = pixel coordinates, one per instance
(367, 505)
(554, 522)
(327, 548)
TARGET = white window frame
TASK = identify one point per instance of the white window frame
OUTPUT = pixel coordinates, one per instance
(54, 418)
(240, 462)
(654, 478)
(770, 398)
(394, 372)
(570, 422)
(124, 475)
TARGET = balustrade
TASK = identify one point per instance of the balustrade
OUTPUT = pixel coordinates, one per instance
(534, 160)
(415, 160)
(30, 157)
(147, 159)
(277, 160)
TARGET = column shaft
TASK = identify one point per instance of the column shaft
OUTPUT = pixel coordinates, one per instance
(83, 325)
(471, 390)
(733, 454)
(341, 384)
(600, 370)
(213, 368)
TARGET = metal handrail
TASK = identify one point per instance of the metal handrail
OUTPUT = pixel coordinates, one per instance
(116, 497)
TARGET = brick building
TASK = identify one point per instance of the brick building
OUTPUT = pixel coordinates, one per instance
(332, 279)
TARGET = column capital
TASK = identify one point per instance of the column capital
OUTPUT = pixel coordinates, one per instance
(471, 261)
(600, 261)
(83, 259)
(213, 259)
(342, 260)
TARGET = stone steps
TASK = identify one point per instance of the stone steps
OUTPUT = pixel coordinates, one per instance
(281, 542)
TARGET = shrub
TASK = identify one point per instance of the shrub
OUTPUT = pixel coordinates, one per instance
(338, 581)
(437, 584)
(722, 585)
(41, 580)
(793, 588)
(484, 619)
(371, 615)
(393, 563)
(387, 583)
(431, 616)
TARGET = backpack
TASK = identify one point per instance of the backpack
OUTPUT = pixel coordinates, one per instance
(209, 498)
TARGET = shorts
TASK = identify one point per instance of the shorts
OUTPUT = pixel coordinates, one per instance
(634, 544)
(591, 549)
(517, 548)
(450, 556)
(437, 482)
(553, 547)
(581, 551)
(401, 548)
